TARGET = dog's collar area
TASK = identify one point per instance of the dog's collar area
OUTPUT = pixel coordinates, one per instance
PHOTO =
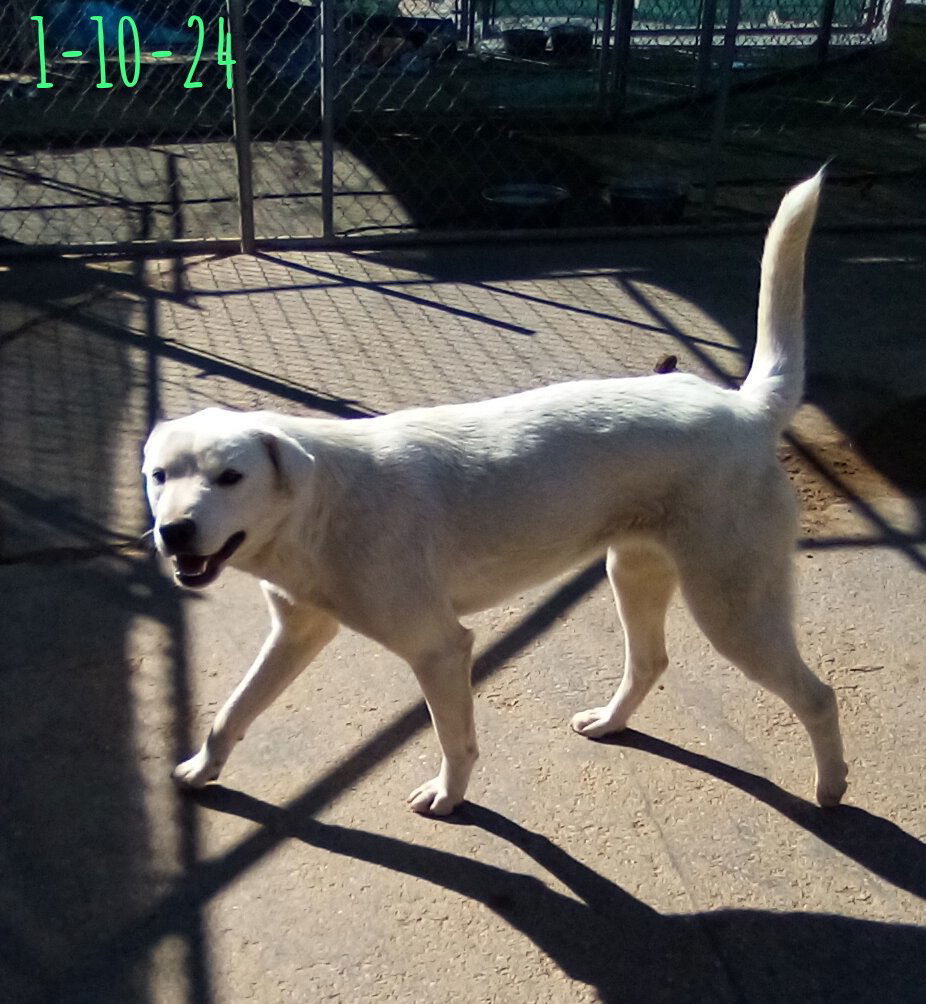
(198, 570)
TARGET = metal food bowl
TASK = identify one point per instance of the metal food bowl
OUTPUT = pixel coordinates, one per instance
(526, 204)
(648, 200)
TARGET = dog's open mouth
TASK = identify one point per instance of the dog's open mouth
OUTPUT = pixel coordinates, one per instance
(198, 570)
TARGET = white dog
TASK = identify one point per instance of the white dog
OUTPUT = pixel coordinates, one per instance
(399, 525)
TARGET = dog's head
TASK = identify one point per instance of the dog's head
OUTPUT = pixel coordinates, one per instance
(219, 482)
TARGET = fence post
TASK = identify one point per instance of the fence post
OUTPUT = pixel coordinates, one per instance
(15, 22)
(622, 33)
(705, 46)
(720, 110)
(604, 56)
(241, 118)
(826, 30)
(466, 28)
(327, 86)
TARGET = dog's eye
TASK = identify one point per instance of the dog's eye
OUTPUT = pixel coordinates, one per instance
(229, 477)
(158, 476)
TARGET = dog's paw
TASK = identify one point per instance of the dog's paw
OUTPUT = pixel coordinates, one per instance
(596, 722)
(830, 789)
(196, 772)
(433, 799)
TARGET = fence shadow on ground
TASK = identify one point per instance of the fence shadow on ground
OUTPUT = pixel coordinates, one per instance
(601, 935)
(79, 852)
(178, 909)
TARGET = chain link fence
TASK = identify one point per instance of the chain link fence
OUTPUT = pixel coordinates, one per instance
(113, 128)
(272, 121)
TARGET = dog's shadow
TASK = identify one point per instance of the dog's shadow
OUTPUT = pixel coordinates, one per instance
(605, 937)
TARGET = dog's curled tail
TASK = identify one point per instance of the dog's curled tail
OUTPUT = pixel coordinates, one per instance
(776, 377)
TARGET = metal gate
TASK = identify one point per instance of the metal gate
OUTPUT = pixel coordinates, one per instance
(265, 123)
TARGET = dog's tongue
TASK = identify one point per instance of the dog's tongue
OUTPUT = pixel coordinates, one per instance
(191, 564)
(197, 570)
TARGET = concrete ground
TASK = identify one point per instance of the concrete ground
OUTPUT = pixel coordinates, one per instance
(682, 862)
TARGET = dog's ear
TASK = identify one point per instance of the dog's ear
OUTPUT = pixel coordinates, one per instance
(148, 445)
(292, 463)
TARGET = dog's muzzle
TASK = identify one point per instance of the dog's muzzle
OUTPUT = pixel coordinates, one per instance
(198, 570)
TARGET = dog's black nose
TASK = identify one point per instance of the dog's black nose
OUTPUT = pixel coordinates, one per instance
(178, 536)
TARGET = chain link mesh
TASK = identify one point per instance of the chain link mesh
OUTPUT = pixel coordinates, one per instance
(372, 117)
(114, 123)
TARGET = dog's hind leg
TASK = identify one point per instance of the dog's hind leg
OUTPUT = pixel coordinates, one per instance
(643, 580)
(296, 636)
(744, 607)
(442, 661)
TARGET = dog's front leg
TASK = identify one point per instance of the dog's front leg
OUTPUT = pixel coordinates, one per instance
(445, 676)
(296, 636)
